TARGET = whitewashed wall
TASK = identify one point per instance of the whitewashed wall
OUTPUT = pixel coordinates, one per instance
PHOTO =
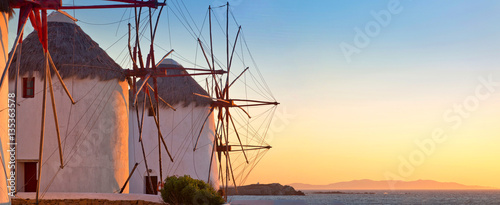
(94, 134)
(180, 129)
(4, 52)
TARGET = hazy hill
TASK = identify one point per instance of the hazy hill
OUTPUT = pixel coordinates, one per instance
(367, 184)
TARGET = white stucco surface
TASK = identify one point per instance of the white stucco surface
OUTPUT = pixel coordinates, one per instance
(108, 196)
(4, 52)
(180, 129)
(94, 134)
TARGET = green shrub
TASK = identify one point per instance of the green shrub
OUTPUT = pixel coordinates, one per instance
(186, 190)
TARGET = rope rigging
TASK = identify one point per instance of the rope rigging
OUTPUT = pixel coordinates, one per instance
(227, 123)
(250, 145)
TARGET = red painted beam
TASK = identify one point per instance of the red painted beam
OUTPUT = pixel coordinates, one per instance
(219, 72)
(127, 1)
(255, 101)
(110, 6)
(42, 4)
(135, 1)
(187, 74)
(44, 31)
(23, 17)
(230, 103)
(56, 4)
(162, 72)
(224, 148)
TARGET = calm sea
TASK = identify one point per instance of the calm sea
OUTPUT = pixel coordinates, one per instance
(391, 197)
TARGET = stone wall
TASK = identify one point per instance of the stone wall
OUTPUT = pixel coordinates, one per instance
(83, 202)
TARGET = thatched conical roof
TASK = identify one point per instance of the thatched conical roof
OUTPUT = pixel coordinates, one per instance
(175, 90)
(73, 51)
(5, 6)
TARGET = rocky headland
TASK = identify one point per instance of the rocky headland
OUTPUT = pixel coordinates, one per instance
(264, 189)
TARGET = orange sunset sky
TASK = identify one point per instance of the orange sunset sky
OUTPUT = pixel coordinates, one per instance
(368, 89)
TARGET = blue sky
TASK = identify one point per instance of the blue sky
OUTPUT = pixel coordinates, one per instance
(428, 57)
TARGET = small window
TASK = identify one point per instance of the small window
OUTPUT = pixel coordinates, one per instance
(151, 111)
(154, 180)
(30, 179)
(29, 87)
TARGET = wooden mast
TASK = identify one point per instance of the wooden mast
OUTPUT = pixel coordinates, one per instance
(37, 12)
(223, 103)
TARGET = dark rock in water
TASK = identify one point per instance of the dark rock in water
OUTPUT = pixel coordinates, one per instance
(264, 189)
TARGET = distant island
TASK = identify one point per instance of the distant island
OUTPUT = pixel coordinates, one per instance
(366, 184)
(264, 189)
